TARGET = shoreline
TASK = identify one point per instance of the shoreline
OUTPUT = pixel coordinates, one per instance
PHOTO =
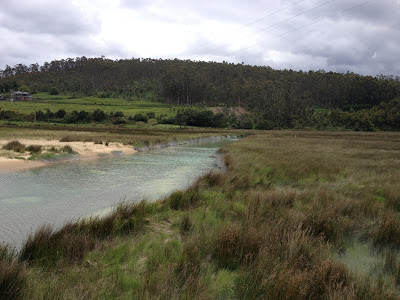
(87, 151)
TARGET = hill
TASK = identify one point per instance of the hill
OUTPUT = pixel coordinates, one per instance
(276, 98)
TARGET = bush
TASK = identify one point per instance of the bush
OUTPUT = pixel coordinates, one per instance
(69, 138)
(140, 118)
(98, 115)
(60, 114)
(34, 149)
(15, 146)
(54, 91)
(67, 149)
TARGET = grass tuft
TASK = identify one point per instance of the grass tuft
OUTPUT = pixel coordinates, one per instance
(186, 226)
(235, 246)
(387, 232)
(12, 274)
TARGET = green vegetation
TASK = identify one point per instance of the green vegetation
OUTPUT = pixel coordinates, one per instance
(272, 99)
(296, 216)
(69, 103)
(50, 153)
(15, 146)
(117, 112)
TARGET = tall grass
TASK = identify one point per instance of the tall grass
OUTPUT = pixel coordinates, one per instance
(49, 247)
(12, 274)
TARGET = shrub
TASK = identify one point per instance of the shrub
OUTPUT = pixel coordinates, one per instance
(15, 146)
(34, 148)
(99, 115)
(67, 149)
(60, 113)
(68, 138)
(54, 91)
(140, 118)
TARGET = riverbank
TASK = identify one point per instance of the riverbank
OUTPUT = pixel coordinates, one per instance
(94, 142)
(83, 151)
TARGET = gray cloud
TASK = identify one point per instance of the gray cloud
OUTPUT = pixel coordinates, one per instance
(51, 17)
(261, 32)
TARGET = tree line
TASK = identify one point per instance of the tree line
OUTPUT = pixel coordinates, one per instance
(276, 98)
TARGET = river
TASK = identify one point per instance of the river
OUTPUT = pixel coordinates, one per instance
(58, 193)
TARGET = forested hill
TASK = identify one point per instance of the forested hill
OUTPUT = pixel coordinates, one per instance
(273, 94)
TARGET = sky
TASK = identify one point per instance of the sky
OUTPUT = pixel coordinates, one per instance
(360, 36)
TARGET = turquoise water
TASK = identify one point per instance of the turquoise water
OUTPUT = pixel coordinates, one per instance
(59, 193)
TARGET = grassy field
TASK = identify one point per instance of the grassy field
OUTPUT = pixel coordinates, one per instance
(297, 215)
(89, 104)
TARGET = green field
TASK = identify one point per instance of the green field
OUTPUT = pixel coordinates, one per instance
(69, 103)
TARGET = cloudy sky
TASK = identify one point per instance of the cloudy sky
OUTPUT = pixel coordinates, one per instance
(361, 36)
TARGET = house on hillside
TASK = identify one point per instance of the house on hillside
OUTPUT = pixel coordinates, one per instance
(24, 96)
(2, 97)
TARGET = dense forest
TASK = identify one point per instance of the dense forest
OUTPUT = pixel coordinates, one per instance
(275, 98)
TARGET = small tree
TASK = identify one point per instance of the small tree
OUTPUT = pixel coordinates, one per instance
(24, 88)
(98, 115)
(54, 91)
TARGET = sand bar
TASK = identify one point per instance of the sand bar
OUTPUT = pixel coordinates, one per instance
(85, 150)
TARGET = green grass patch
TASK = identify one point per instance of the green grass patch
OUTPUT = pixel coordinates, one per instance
(89, 104)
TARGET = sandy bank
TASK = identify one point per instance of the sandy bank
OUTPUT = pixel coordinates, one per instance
(85, 150)
(18, 164)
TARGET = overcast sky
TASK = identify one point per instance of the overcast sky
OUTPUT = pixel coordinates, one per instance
(361, 36)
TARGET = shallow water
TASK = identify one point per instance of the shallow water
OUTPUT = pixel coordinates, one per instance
(58, 193)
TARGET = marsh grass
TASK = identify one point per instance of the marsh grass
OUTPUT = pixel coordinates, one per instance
(278, 224)
(12, 274)
(48, 247)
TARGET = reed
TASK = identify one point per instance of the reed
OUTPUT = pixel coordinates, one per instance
(12, 274)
